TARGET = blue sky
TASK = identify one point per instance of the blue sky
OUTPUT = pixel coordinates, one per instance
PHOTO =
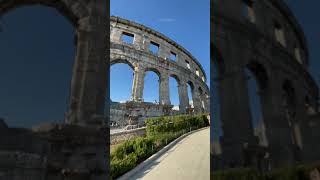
(37, 53)
(186, 22)
(307, 14)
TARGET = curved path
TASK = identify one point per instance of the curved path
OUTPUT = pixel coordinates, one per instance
(189, 159)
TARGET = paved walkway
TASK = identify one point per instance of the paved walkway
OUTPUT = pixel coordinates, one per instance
(189, 159)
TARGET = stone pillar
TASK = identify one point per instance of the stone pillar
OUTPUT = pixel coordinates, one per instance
(236, 118)
(90, 78)
(207, 102)
(183, 96)
(145, 42)
(196, 98)
(164, 89)
(115, 35)
(301, 130)
(277, 131)
(138, 42)
(164, 52)
(138, 84)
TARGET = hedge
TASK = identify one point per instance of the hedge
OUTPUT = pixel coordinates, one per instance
(175, 123)
(160, 132)
(299, 172)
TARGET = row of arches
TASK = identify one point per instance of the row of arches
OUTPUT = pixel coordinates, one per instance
(263, 95)
(153, 89)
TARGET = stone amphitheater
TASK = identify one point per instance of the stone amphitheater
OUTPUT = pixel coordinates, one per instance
(169, 60)
(265, 38)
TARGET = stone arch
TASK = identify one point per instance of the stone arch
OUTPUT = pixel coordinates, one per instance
(87, 80)
(191, 84)
(192, 90)
(131, 66)
(177, 80)
(158, 74)
(152, 69)
(289, 106)
(62, 6)
(41, 81)
(122, 61)
(289, 94)
(257, 82)
(260, 74)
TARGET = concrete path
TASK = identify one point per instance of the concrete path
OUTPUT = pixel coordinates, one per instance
(189, 159)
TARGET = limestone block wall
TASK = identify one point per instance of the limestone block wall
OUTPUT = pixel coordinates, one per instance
(126, 135)
(53, 151)
(137, 54)
(120, 112)
(264, 37)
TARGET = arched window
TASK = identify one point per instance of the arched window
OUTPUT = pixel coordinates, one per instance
(151, 86)
(190, 93)
(289, 104)
(121, 92)
(297, 54)
(256, 83)
(37, 55)
(248, 10)
(279, 34)
(174, 92)
(197, 72)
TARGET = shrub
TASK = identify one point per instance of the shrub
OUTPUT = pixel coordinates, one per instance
(175, 123)
(121, 166)
(160, 132)
(123, 149)
(143, 147)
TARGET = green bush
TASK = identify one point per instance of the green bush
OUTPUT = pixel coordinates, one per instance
(175, 123)
(123, 149)
(121, 166)
(160, 132)
(143, 147)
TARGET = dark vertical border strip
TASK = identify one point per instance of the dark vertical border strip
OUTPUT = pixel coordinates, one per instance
(107, 98)
(211, 83)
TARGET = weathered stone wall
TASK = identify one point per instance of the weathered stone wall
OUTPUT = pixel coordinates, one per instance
(77, 149)
(126, 135)
(53, 151)
(120, 112)
(265, 39)
(138, 56)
